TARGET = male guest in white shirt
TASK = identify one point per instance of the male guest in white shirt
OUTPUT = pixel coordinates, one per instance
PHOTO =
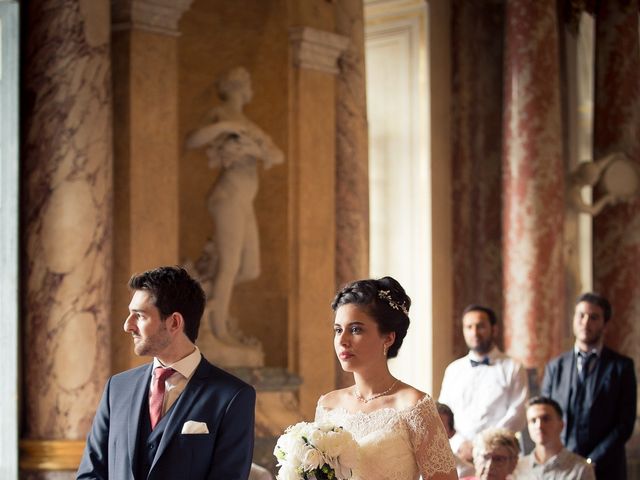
(485, 388)
(549, 459)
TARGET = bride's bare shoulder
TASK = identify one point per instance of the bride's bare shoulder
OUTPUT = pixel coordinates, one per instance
(409, 396)
(335, 398)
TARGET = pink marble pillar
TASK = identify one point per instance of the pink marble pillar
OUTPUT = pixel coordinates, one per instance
(476, 169)
(352, 159)
(617, 129)
(533, 174)
(616, 243)
(67, 196)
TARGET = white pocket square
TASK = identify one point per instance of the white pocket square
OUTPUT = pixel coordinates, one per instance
(192, 427)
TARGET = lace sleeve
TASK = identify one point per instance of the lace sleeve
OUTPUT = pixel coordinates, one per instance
(430, 444)
(321, 413)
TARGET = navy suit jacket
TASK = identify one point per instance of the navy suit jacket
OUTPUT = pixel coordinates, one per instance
(225, 403)
(611, 414)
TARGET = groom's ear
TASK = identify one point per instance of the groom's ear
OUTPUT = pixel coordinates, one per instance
(175, 323)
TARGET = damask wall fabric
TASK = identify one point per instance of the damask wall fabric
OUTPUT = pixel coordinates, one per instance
(476, 157)
(617, 129)
(533, 181)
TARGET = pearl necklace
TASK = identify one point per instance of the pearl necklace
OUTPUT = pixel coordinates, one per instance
(359, 396)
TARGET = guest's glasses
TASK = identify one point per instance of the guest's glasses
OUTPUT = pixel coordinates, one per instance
(498, 460)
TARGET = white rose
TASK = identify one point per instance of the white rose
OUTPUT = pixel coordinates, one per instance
(347, 459)
(293, 447)
(315, 436)
(342, 473)
(331, 443)
(298, 429)
(312, 459)
(288, 472)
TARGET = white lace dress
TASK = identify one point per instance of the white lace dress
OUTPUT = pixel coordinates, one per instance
(396, 444)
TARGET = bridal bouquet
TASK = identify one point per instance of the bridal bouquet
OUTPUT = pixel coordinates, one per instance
(309, 451)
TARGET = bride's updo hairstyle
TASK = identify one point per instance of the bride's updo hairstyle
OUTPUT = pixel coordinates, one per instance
(384, 300)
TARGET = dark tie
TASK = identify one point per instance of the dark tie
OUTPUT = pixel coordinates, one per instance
(484, 361)
(586, 361)
(156, 399)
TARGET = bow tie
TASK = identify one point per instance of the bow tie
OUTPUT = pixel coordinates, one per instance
(484, 361)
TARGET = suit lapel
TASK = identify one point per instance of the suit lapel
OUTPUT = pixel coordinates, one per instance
(603, 371)
(569, 366)
(566, 368)
(183, 407)
(137, 404)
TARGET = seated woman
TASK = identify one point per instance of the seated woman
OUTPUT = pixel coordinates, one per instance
(495, 454)
(397, 426)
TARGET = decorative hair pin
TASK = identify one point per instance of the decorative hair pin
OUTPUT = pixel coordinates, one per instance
(386, 296)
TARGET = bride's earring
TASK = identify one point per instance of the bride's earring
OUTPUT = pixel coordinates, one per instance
(384, 350)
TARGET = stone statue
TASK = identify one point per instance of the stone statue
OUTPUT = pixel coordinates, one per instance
(618, 176)
(235, 145)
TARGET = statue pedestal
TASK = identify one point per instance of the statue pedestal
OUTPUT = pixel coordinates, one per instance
(229, 355)
(277, 407)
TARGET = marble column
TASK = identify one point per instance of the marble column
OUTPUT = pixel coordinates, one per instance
(477, 157)
(352, 181)
(146, 149)
(533, 173)
(352, 159)
(66, 228)
(616, 238)
(617, 129)
(312, 183)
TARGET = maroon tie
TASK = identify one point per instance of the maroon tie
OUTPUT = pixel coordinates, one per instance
(156, 399)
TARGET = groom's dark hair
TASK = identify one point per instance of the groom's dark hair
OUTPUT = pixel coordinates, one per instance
(172, 289)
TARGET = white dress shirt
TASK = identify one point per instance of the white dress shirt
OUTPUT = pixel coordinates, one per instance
(176, 383)
(595, 351)
(484, 396)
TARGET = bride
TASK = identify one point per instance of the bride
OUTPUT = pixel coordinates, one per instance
(397, 426)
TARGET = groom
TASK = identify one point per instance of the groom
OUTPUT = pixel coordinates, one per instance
(179, 416)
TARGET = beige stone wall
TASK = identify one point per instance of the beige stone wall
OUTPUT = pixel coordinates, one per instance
(145, 168)
(164, 86)
(441, 208)
(217, 36)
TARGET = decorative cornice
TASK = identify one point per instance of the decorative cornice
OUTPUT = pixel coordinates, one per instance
(159, 16)
(317, 49)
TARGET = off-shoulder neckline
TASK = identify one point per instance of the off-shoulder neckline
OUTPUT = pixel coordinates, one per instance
(373, 412)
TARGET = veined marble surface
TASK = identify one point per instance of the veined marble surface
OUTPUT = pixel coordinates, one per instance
(67, 184)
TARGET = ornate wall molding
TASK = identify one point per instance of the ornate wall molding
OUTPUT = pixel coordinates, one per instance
(51, 454)
(317, 49)
(159, 16)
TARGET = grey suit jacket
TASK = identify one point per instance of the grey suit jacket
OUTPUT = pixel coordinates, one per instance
(610, 415)
(225, 403)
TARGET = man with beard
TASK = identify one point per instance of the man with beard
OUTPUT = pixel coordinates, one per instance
(596, 388)
(486, 388)
(178, 416)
